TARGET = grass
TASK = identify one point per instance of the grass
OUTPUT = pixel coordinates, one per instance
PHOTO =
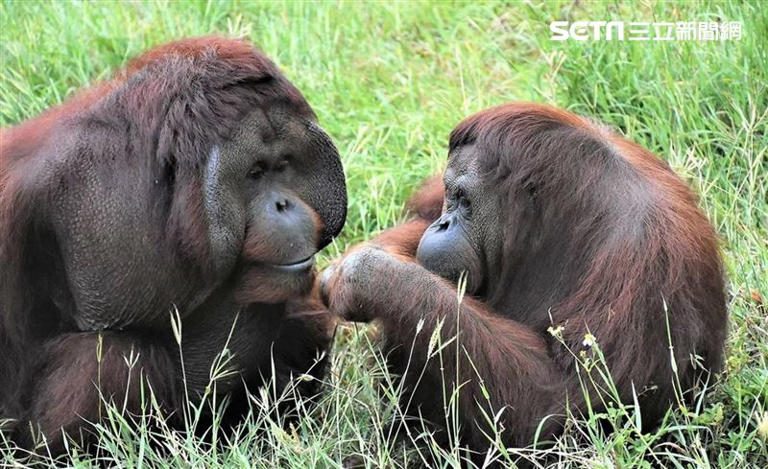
(389, 82)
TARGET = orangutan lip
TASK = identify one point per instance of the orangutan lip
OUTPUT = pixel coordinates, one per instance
(303, 264)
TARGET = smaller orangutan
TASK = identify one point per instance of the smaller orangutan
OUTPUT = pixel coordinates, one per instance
(570, 237)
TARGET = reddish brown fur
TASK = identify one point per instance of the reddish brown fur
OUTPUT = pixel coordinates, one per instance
(617, 235)
(48, 366)
(122, 374)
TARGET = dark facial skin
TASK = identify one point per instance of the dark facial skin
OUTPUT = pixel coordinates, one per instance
(251, 187)
(466, 237)
(269, 206)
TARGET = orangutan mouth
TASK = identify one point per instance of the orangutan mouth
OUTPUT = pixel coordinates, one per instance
(299, 266)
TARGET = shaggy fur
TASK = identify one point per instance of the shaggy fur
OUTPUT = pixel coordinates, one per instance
(103, 230)
(597, 236)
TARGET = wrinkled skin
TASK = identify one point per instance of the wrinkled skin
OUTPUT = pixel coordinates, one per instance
(465, 239)
(197, 181)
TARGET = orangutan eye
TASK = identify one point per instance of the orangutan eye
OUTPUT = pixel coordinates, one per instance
(462, 200)
(257, 171)
(282, 165)
(530, 187)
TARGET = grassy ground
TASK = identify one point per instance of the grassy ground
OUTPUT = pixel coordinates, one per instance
(388, 82)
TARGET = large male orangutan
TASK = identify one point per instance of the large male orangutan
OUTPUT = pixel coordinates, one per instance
(198, 181)
(564, 230)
